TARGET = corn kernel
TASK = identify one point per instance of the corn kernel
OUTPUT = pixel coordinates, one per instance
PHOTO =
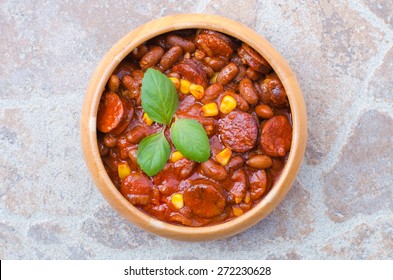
(177, 200)
(238, 200)
(214, 78)
(210, 110)
(123, 169)
(147, 120)
(237, 211)
(175, 81)
(224, 156)
(184, 86)
(228, 103)
(247, 198)
(176, 155)
(197, 90)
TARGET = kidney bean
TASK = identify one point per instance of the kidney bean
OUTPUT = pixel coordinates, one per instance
(110, 141)
(213, 170)
(151, 58)
(215, 63)
(138, 75)
(136, 135)
(253, 59)
(264, 111)
(125, 68)
(212, 92)
(209, 72)
(235, 163)
(186, 45)
(248, 92)
(137, 188)
(276, 136)
(260, 161)
(132, 85)
(132, 155)
(139, 52)
(104, 150)
(184, 167)
(113, 83)
(258, 183)
(253, 75)
(241, 102)
(238, 131)
(239, 184)
(204, 199)
(227, 73)
(170, 57)
(273, 92)
(241, 75)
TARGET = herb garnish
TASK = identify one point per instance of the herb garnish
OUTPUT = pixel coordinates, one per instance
(160, 101)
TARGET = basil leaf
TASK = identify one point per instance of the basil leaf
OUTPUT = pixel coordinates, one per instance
(153, 153)
(159, 96)
(190, 139)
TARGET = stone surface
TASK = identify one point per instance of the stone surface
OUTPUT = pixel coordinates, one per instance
(381, 83)
(340, 206)
(354, 186)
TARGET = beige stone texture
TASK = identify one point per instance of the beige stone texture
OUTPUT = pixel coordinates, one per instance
(341, 205)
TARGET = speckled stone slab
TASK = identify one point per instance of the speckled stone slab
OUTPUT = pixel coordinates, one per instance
(341, 205)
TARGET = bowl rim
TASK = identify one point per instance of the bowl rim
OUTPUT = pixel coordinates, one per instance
(89, 136)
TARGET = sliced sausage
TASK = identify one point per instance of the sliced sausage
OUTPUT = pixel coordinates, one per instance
(191, 71)
(238, 131)
(273, 92)
(171, 56)
(111, 112)
(213, 170)
(151, 58)
(203, 199)
(253, 59)
(258, 183)
(227, 73)
(214, 44)
(137, 188)
(276, 136)
(248, 92)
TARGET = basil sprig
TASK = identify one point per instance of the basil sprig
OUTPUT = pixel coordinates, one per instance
(159, 96)
(153, 153)
(160, 101)
(190, 139)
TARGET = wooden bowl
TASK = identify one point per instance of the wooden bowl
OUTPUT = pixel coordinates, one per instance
(89, 136)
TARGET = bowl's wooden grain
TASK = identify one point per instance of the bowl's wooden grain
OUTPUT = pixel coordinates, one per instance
(89, 137)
